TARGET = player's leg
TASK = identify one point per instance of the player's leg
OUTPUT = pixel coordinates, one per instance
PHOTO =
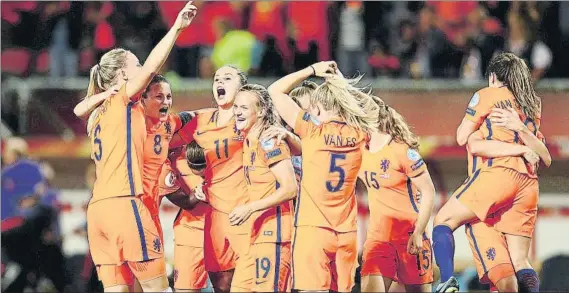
(189, 269)
(379, 266)
(244, 262)
(518, 224)
(491, 256)
(311, 269)
(415, 271)
(346, 261)
(272, 267)
(474, 199)
(115, 278)
(219, 257)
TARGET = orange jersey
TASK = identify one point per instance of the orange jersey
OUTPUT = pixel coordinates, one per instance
(392, 197)
(156, 153)
(170, 182)
(479, 108)
(117, 136)
(223, 148)
(331, 159)
(273, 225)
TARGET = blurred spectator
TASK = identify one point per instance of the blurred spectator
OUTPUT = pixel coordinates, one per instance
(405, 46)
(100, 34)
(136, 25)
(267, 23)
(522, 40)
(383, 63)
(351, 48)
(66, 36)
(308, 32)
(20, 176)
(236, 47)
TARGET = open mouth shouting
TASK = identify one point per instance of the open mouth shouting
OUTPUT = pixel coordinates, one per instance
(220, 92)
(164, 110)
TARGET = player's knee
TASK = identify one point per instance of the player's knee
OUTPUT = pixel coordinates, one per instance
(521, 264)
(159, 284)
(508, 284)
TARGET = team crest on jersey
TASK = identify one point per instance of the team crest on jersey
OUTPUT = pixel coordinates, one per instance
(170, 179)
(491, 253)
(474, 100)
(268, 144)
(168, 127)
(157, 244)
(384, 165)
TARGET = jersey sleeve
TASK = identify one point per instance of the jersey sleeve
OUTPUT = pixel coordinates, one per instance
(168, 181)
(186, 132)
(183, 118)
(305, 124)
(478, 108)
(273, 153)
(412, 164)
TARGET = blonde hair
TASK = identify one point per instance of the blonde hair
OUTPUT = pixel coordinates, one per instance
(339, 95)
(513, 72)
(306, 88)
(103, 74)
(264, 104)
(392, 123)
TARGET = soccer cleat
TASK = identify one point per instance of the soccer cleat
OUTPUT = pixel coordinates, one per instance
(451, 285)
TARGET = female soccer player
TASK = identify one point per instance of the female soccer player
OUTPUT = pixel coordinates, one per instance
(189, 268)
(271, 186)
(505, 187)
(396, 246)
(332, 136)
(117, 131)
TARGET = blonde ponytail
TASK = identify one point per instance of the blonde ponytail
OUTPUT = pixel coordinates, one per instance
(339, 95)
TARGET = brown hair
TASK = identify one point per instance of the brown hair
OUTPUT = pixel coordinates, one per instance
(392, 123)
(195, 156)
(514, 73)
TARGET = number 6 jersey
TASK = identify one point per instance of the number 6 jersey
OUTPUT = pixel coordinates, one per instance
(117, 132)
(331, 159)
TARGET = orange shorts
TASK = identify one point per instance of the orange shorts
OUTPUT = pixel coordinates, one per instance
(121, 229)
(115, 275)
(323, 259)
(504, 197)
(490, 252)
(189, 268)
(272, 268)
(226, 248)
(391, 260)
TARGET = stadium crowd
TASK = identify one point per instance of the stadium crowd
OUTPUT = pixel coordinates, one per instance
(271, 38)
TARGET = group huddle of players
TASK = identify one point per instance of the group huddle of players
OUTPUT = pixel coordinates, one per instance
(266, 181)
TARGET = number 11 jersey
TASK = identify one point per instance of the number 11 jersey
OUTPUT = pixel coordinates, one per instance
(331, 159)
(223, 148)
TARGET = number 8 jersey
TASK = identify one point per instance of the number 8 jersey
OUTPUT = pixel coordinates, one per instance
(331, 159)
(117, 132)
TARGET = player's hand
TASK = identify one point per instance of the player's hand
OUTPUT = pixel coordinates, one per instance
(186, 15)
(325, 69)
(415, 244)
(276, 132)
(199, 193)
(240, 214)
(509, 119)
(533, 161)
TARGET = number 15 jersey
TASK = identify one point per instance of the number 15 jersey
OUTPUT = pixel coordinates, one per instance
(331, 159)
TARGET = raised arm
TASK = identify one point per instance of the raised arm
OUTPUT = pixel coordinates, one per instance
(287, 108)
(160, 53)
(511, 120)
(88, 104)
